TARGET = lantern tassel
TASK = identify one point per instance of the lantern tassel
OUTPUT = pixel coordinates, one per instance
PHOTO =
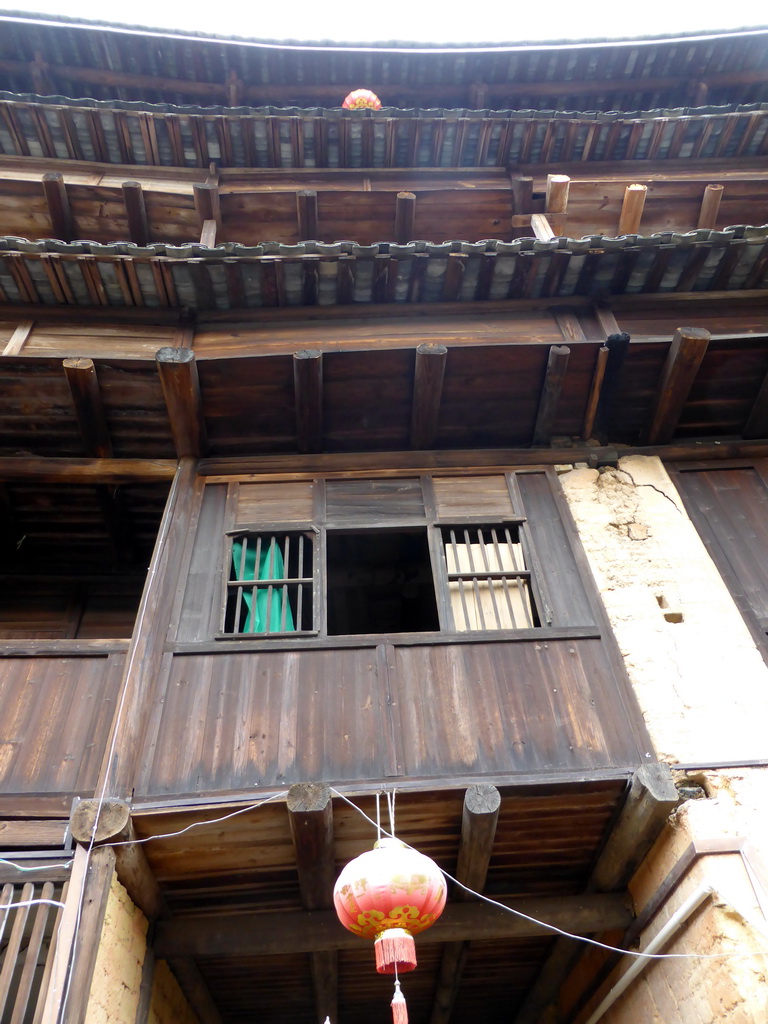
(399, 1007)
(395, 951)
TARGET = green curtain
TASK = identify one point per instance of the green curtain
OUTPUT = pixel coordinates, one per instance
(271, 567)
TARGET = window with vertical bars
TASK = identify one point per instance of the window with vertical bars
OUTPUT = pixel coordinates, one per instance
(489, 583)
(270, 585)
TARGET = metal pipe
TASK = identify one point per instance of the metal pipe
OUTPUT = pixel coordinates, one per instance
(674, 924)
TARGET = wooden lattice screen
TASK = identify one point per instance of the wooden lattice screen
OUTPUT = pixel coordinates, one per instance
(27, 947)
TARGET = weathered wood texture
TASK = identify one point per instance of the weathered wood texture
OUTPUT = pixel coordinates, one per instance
(56, 714)
(729, 507)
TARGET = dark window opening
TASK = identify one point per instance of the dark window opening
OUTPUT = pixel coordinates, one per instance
(270, 584)
(380, 581)
(489, 582)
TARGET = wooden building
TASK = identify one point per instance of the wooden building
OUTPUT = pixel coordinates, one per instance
(284, 395)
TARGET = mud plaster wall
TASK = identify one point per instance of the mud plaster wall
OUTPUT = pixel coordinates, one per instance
(116, 985)
(705, 991)
(700, 682)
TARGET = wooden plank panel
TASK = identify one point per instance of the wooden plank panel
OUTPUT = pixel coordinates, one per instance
(570, 604)
(55, 717)
(541, 706)
(483, 497)
(275, 503)
(201, 607)
(272, 718)
(373, 502)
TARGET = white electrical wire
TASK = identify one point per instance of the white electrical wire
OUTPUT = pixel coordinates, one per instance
(38, 867)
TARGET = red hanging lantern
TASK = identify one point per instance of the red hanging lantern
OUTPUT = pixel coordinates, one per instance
(390, 894)
(360, 99)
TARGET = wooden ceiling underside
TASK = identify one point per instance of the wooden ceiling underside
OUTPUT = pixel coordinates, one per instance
(78, 59)
(238, 894)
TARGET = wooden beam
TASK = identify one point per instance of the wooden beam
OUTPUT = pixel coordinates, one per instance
(710, 206)
(136, 211)
(478, 829)
(208, 207)
(757, 421)
(212, 935)
(181, 388)
(557, 365)
(308, 397)
(522, 195)
(195, 989)
(310, 814)
(405, 216)
(541, 227)
(632, 209)
(62, 221)
(688, 348)
(18, 339)
(618, 346)
(89, 408)
(86, 471)
(598, 376)
(306, 214)
(650, 800)
(427, 394)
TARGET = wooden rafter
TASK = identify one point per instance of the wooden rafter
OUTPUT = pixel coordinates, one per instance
(181, 389)
(688, 348)
(557, 365)
(405, 217)
(306, 214)
(427, 394)
(478, 828)
(208, 207)
(308, 397)
(59, 211)
(136, 211)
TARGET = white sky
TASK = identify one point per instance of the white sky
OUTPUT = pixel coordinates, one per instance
(417, 20)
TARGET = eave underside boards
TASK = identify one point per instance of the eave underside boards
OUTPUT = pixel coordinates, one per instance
(79, 60)
(496, 390)
(31, 128)
(257, 206)
(547, 838)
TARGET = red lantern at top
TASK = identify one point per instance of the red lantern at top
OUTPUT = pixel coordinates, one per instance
(360, 99)
(390, 894)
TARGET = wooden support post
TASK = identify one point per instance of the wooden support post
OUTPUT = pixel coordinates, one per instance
(89, 408)
(18, 339)
(557, 364)
(94, 431)
(310, 813)
(757, 422)
(208, 207)
(308, 396)
(710, 206)
(63, 940)
(306, 214)
(618, 346)
(558, 189)
(632, 209)
(651, 799)
(478, 829)
(522, 195)
(181, 388)
(598, 376)
(405, 216)
(62, 221)
(688, 348)
(427, 394)
(136, 211)
(556, 201)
